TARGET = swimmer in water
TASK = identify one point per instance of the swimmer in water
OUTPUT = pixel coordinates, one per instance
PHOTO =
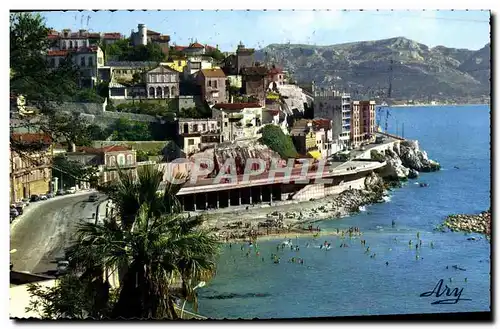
(432, 245)
(418, 235)
(386, 263)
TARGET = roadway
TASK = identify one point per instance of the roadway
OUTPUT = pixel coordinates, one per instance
(45, 229)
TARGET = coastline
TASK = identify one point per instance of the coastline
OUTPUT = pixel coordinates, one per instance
(287, 220)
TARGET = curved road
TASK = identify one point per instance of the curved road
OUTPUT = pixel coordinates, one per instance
(45, 229)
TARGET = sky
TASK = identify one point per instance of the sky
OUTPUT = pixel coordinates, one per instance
(257, 29)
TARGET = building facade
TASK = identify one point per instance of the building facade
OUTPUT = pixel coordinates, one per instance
(356, 130)
(108, 159)
(162, 82)
(245, 57)
(197, 134)
(196, 63)
(336, 106)
(367, 119)
(32, 174)
(254, 82)
(213, 85)
(88, 60)
(238, 120)
(124, 71)
(314, 137)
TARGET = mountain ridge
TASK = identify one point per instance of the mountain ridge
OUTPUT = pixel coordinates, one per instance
(411, 69)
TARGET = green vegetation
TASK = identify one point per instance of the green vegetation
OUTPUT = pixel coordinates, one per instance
(150, 108)
(216, 54)
(143, 155)
(40, 85)
(124, 129)
(71, 172)
(200, 112)
(276, 140)
(122, 50)
(377, 156)
(89, 95)
(148, 242)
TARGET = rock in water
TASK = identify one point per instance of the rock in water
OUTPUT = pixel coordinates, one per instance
(413, 174)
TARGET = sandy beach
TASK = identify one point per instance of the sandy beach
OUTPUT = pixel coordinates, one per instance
(286, 218)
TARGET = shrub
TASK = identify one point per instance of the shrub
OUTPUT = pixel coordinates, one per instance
(375, 155)
(276, 140)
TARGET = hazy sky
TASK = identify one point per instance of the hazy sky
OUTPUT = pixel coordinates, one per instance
(458, 29)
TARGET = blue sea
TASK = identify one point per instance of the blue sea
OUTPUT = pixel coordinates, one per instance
(347, 281)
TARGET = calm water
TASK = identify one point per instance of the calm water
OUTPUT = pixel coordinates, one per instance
(346, 281)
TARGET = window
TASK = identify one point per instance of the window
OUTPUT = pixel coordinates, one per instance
(166, 92)
(225, 124)
(218, 123)
(82, 61)
(215, 83)
(190, 141)
(130, 159)
(152, 78)
(112, 160)
(195, 128)
(179, 63)
(210, 83)
(91, 62)
(121, 159)
(71, 44)
(203, 127)
(159, 92)
(212, 126)
(151, 92)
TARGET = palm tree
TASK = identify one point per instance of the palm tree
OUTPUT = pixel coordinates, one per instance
(151, 241)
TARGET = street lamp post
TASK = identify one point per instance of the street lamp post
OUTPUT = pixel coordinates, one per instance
(199, 285)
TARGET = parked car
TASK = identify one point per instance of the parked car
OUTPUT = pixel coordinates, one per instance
(19, 210)
(26, 202)
(62, 267)
(93, 198)
(71, 190)
(60, 192)
(34, 198)
(49, 195)
(13, 213)
(43, 197)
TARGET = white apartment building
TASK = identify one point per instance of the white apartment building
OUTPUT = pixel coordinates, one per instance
(336, 106)
(238, 120)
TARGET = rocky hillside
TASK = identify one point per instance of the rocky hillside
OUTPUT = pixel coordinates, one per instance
(364, 68)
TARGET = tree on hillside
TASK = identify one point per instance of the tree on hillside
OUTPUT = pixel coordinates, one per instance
(127, 130)
(150, 244)
(217, 55)
(276, 140)
(41, 86)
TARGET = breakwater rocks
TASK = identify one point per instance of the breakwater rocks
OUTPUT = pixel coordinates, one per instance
(480, 223)
(404, 161)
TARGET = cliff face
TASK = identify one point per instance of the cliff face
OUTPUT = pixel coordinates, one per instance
(406, 160)
(239, 152)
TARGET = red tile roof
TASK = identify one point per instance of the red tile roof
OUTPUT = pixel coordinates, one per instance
(106, 149)
(112, 35)
(53, 36)
(179, 48)
(31, 137)
(196, 45)
(236, 106)
(116, 148)
(210, 48)
(57, 52)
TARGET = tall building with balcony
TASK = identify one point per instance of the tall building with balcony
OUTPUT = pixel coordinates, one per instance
(238, 120)
(336, 106)
(198, 134)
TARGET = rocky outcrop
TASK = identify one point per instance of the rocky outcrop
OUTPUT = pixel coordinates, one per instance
(412, 157)
(394, 168)
(413, 174)
(404, 161)
(241, 151)
(480, 223)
